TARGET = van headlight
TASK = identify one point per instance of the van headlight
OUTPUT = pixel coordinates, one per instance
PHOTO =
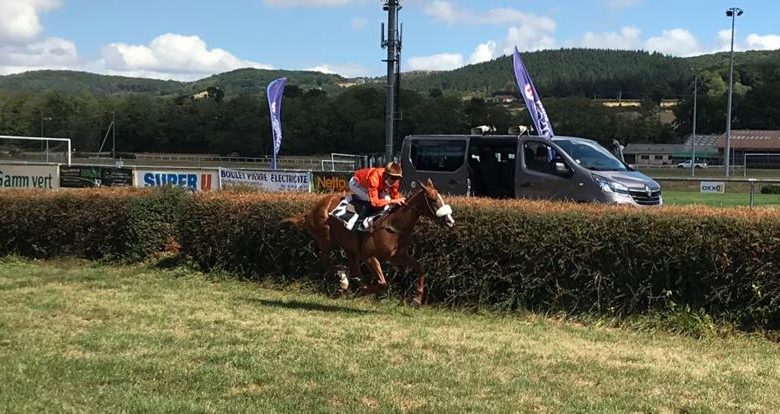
(609, 186)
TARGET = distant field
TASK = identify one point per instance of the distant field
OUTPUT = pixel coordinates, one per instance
(711, 172)
(719, 200)
(81, 337)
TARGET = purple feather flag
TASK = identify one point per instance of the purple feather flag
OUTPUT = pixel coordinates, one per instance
(274, 92)
(532, 101)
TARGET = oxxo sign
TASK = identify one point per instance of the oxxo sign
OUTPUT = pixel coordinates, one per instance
(712, 186)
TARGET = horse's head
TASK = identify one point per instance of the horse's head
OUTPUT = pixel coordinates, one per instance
(436, 208)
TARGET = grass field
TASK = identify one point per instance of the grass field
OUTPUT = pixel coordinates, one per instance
(711, 172)
(737, 193)
(719, 200)
(76, 336)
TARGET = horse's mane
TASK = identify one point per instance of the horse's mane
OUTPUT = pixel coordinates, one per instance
(404, 207)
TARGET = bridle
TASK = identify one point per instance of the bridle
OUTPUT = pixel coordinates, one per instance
(442, 211)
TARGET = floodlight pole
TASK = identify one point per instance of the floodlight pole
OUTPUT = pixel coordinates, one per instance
(732, 12)
(693, 136)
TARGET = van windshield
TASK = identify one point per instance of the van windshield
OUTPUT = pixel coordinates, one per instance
(591, 155)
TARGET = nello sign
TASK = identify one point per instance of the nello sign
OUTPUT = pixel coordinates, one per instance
(192, 180)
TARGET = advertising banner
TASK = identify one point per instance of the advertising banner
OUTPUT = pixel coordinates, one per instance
(193, 180)
(44, 177)
(82, 176)
(712, 186)
(266, 180)
(330, 182)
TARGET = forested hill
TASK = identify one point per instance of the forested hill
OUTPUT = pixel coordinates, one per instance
(721, 60)
(556, 73)
(254, 81)
(83, 82)
(569, 72)
(233, 83)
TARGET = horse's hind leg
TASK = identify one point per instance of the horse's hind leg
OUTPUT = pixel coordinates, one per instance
(376, 267)
(325, 247)
(409, 261)
(323, 243)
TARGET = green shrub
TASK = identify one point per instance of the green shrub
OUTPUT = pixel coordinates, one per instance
(543, 257)
(770, 189)
(105, 224)
(502, 255)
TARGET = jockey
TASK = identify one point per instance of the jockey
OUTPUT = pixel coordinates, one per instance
(378, 186)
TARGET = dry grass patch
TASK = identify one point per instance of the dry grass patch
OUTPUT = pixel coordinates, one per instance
(152, 340)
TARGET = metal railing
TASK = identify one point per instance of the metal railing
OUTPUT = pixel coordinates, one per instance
(750, 181)
(184, 160)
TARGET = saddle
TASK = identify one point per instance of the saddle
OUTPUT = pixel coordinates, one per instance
(356, 214)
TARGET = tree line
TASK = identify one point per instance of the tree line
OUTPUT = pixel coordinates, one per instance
(313, 121)
(317, 121)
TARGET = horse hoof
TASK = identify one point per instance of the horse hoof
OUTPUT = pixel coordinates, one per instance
(343, 281)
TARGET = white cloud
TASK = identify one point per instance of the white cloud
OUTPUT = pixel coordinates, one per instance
(358, 23)
(483, 52)
(628, 38)
(724, 40)
(526, 38)
(765, 42)
(442, 61)
(622, 4)
(173, 54)
(677, 42)
(752, 42)
(346, 70)
(307, 3)
(449, 61)
(21, 49)
(19, 22)
(444, 11)
(50, 52)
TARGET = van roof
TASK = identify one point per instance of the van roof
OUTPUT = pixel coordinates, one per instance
(451, 136)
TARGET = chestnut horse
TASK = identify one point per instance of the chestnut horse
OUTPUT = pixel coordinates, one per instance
(388, 240)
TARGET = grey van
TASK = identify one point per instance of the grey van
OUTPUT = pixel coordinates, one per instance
(512, 166)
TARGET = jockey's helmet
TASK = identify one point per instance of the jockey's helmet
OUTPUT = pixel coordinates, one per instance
(393, 169)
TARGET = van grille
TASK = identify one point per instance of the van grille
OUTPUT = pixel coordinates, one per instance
(643, 199)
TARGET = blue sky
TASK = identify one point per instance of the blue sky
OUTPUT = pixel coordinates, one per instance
(187, 40)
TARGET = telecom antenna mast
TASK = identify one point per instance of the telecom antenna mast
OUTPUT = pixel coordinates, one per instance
(391, 40)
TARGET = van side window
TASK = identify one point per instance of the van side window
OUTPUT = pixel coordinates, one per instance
(438, 155)
(539, 157)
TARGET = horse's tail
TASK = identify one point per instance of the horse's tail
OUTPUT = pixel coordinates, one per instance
(296, 221)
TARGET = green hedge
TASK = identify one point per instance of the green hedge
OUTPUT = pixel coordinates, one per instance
(507, 255)
(770, 189)
(539, 256)
(99, 224)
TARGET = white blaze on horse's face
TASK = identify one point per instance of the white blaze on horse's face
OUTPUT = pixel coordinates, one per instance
(444, 211)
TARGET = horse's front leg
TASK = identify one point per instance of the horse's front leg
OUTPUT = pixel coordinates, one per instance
(376, 267)
(353, 262)
(409, 261)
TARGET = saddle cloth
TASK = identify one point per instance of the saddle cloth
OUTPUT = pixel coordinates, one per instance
(356, 214)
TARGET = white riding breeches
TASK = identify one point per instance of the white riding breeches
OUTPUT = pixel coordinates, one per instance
(362, 192)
